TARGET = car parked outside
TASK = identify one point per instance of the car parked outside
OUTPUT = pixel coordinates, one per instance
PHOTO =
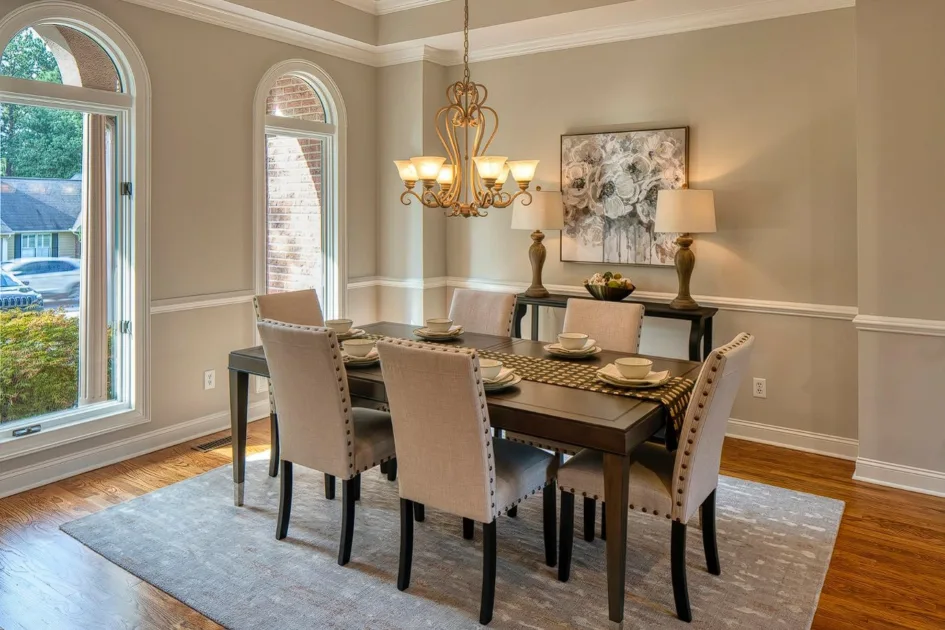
(15, 294)
(53, 277)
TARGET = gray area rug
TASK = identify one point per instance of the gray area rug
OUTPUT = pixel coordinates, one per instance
(191, 542)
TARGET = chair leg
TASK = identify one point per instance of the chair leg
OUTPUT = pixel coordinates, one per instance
(383, 468)
(709, 536)
(468, 528)
(329, 487)
(274, 449)
(550, 522)
(488, 573)
(406, 544)
(348, 487)
(567, 536)
(512, 512)
(392, 470)
(418, 512)
(678, 561)
(603, 521)
(356, 487)
(590, 512)
(285, 501)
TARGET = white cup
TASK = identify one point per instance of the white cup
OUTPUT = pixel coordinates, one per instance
(440, 325)
(340, 326)
(490, 368)
(572, 341)
(358, 347)
(634, 367)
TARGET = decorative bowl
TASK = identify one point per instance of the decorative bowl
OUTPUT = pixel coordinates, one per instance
(608, 294)
(633, 367)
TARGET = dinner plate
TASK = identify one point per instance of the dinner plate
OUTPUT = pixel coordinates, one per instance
(352, 333)
(372, 358)
(556, 350)
(497, 387)
(505, 375)
(610, 376)
(424, 333)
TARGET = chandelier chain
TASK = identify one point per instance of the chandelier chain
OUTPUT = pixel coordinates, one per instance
(466, 43)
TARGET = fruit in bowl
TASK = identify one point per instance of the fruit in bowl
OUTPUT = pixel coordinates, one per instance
(611, 287)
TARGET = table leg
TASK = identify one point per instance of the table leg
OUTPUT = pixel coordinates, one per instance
(517, 320)
(696, 332)
(707, 339)
(239, 401)
(616, 488)
(534, 322)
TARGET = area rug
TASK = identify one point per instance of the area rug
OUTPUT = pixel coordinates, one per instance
(191, 542)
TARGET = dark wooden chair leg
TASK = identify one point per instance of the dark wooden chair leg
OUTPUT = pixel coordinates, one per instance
(567, 536)
(274, 449)
(406, 544)
(488, 573)
(285, 501)
(383, 468)
(678, 561)
(347, 520)
(468, 528)
(329, 487)
(603, 521)
(590, 512)
(512, 512)
(550, 523)
(356, 487)
(710, 537)
(392, 470)
(418, 512)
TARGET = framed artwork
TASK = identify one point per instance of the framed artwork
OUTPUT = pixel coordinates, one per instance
(609, 184)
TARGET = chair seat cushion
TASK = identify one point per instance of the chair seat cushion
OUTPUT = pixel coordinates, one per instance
(373, 438)
(521, 470)
(551, 445)
(651, 477)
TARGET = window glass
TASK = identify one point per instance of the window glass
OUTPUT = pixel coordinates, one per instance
(292, 97)
(59, 54)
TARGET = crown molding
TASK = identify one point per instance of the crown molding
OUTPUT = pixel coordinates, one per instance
(368, 6)
(382, 7)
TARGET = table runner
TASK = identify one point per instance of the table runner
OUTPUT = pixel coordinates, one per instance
(674, 395)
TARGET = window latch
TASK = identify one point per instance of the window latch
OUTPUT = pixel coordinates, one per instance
(126, 189)
(30, 430)
(126, 327)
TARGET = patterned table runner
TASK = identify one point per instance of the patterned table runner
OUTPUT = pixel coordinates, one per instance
(674, 395)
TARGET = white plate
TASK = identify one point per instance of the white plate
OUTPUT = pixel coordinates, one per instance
(351, 334)
(505, 374)
(611, 376)
(371, 358)
(453, 333)
(589, 345)
(515, 380)
(571, 354)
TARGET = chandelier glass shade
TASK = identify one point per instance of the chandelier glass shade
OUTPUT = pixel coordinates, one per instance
(468, 181)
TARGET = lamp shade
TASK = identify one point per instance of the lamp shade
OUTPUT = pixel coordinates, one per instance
(545, 212)
(428, 166)
(685, 210)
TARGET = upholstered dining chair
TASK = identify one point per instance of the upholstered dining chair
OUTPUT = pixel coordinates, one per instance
(666, 484)
(448, 458)
(484, 312)
(293, 307)
(320, 429)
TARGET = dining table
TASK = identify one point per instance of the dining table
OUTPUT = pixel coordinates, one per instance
(612, 424)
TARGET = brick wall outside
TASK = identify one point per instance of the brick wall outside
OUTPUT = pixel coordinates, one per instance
(294, 249)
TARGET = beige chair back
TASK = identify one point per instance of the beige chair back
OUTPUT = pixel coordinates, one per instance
(442, 435)
(294, 307)
(484, 312)
(309, 380)
(614, 325)
(699, 456)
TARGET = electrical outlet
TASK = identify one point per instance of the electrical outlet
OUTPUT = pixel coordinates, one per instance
(759, 388)
(209, 379)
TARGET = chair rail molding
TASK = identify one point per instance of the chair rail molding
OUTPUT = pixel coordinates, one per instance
(573, 29)
(900, 325)
(207, 300)
(902, 477)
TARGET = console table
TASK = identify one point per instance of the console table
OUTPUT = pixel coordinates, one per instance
(700, 318)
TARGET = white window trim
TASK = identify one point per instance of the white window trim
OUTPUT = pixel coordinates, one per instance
(135, 104)
(334, 222)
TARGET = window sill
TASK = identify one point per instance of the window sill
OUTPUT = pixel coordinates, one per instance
(108, 417)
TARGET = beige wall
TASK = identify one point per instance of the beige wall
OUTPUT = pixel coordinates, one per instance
(901, 150)
(203, 79)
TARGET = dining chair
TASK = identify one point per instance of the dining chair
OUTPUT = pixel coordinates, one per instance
(483, 312)
(672, 485)
(320, 429)
(293, 307)
(448, 457)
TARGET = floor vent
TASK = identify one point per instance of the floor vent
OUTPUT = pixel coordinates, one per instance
(215, 444)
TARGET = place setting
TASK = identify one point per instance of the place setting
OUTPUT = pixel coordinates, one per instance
(439, 329)
(496, 377)
(573, 346)
(633, 373)
(359, 352)
(343, 328)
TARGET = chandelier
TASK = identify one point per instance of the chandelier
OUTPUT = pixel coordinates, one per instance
(467, 182)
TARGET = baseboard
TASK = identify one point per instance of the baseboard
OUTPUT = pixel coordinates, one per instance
(901, 477)
(795, 439)
(40, 474)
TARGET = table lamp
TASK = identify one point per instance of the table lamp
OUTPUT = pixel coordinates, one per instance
(689, 212)
(545, 212)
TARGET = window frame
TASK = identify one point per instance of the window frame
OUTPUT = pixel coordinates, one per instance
(131, 109)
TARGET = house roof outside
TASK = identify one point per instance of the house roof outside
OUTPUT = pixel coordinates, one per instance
(39, 205)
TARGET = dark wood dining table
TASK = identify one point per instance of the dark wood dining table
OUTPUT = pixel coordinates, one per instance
(614, 425)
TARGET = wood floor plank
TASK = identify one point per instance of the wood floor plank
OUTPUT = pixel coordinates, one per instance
(887, 571)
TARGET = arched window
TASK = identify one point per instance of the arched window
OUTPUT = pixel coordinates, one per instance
(300, 123)
(73, 227)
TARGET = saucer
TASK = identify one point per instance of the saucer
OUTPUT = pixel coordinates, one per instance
(453, 333)
(610, 375)
(505, 375)
(371, 358)
(497, 387)
(351, 334)
(588, 351)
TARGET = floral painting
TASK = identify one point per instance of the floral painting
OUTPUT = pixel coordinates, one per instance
(609, 182)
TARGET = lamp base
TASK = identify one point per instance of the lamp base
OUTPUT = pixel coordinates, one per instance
(537, 292)
(684, 304)
(685, 262)
(537, 254)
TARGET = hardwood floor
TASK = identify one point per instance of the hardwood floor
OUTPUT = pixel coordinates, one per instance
(888, 568)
